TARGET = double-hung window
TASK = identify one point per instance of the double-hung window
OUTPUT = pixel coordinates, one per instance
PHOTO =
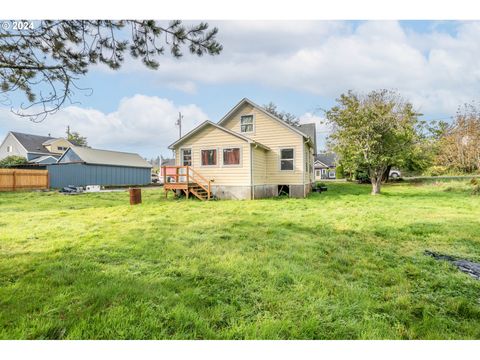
(286, 159)
(246, 123)
(209, 157)
(231, 156)
(187, 157)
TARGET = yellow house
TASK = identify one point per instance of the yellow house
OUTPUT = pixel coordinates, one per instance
(57, 145)
(248, 154)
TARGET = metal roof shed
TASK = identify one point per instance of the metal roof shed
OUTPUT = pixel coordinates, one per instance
(81, 166)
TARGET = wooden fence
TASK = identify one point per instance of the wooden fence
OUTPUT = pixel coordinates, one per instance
(20, 179)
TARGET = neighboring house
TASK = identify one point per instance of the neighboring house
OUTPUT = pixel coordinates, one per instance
(249, 154)
(325, 165)
(36, 149)
(81, 166)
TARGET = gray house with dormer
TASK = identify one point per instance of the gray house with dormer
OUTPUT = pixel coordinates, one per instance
(35, 148)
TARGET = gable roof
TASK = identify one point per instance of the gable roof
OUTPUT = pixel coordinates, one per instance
(44, 159)
(209, 123)
(32, 143)
(310, 130)
(107, 157)
(248, 101)
(327, 158)
(51, 141)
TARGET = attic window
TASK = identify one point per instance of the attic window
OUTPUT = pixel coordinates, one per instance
(246, 123)
(62, 148)
(9, 148)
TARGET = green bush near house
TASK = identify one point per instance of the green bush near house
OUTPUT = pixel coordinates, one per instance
(339, 173)
(12, 161)
(337, 265)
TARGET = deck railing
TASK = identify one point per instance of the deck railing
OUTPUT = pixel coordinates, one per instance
(185, 175)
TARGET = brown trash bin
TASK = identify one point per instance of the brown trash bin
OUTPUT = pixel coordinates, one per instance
(135, 196)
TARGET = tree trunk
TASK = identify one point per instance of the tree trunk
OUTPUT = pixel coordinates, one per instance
(376, 186)
(386, 174)
(376, 180)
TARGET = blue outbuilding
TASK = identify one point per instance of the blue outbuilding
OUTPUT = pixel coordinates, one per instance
(81, 166)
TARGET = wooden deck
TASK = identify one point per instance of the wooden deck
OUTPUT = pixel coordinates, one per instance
(186, 179)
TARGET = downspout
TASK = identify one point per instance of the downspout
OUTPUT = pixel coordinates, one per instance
(304, 171)
(252, 189)
(307, 169)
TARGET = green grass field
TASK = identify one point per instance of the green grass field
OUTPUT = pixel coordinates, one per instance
(339, 265)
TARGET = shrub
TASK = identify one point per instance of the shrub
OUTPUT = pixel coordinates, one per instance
(339, 173)
(475, 186)
(436, 170)
(12, 161)
(362, 177)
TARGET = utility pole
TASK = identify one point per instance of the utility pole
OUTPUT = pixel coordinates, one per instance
(179, 124)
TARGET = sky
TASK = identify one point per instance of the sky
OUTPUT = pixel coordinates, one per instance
(302, 66)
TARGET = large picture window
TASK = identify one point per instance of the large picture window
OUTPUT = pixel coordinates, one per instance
(209, 157)
(286, 159)
(187, 157)
(246, 123)
(231, 156)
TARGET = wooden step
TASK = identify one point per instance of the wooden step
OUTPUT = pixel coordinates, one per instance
(200, 195)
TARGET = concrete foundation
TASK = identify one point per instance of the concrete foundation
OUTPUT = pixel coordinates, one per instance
(232, 192)
(259, 191)
(297, 191)
(308, 188)
(265, 191)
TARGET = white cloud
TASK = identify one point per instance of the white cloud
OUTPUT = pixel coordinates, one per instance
(144, 124)
(188, 87)
(436, 70)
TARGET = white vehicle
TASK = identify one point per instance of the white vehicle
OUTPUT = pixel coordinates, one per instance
(395, 174)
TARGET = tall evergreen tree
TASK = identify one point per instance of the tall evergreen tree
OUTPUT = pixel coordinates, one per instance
(289, 118)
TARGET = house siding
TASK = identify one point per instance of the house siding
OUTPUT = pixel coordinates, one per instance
(17, 149)
(276, 136)
(214, 138)
(78, 174)
(53, 147)
(259, 165)
(69, 156)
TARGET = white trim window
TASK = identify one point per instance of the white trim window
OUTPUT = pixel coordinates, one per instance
(9, 148)
(287, 157)
(208, 157)
(231, 156)
(246, 123)
(186, 157)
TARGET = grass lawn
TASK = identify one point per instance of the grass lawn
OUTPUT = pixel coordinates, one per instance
(338, 265)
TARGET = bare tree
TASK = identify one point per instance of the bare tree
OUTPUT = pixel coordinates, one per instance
(459, 145)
